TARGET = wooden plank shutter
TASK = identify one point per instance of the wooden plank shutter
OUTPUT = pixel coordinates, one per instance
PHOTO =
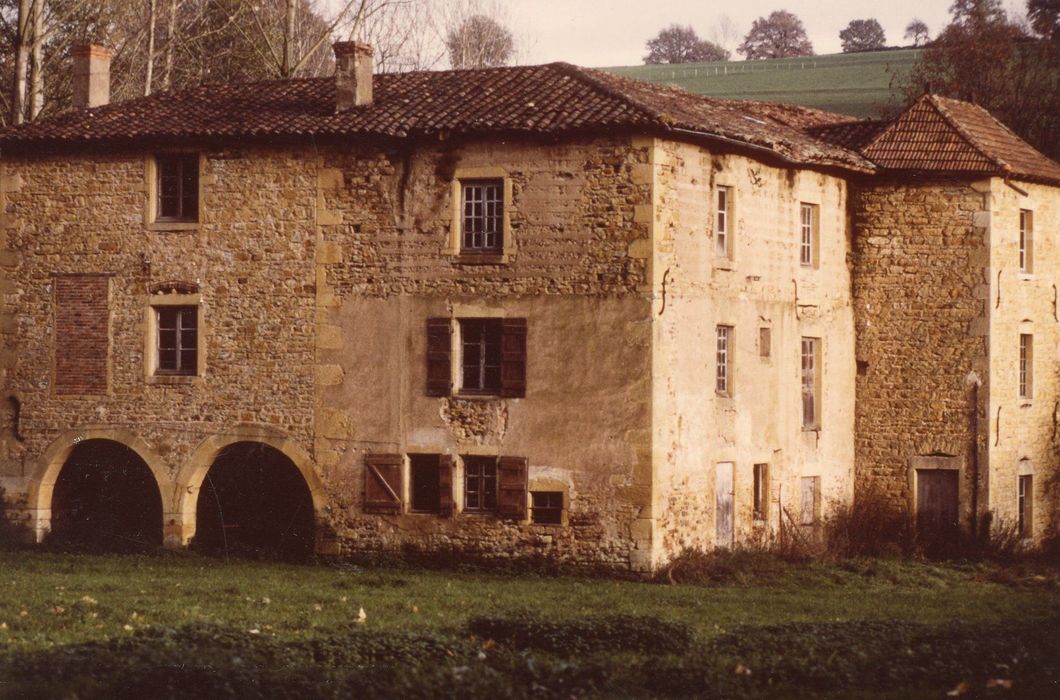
(446, 507)
(383, 483)
(513, 358)
(439, 357)
(512, 487)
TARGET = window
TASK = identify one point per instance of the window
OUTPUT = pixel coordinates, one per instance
(1026, 241)
(178, 340)
(761, 492)
(1025, 505)
(547, 508)
(492, 356)
(1026, 379)
(723, 233)
(723, 382)
(177, 188)
(482, 230)
(808, 221)
(425, 484)
(811, 387)
(480, 344)
(765, 342)
(810, 500)
(480, 484)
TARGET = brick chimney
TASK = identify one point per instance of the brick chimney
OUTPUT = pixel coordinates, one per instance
(91, 75)
(353, 75)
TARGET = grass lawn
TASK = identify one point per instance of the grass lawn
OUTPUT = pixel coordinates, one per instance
(184, 626)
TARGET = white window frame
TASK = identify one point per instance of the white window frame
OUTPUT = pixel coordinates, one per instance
(1026, 366)
(723, 359)
(723, 232)
(1026, 243)
(760, 493)
(810, 361)
(809, 234)
(1025, 505)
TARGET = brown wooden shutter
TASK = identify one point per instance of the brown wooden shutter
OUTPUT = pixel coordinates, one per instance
(383, 483)
(82, 335)
(512, 487)
(439, 357)
(446, 507)
(513, 358)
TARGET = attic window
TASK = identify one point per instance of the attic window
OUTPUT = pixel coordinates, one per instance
(177, 188)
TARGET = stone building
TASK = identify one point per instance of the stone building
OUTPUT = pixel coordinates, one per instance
(517, 311)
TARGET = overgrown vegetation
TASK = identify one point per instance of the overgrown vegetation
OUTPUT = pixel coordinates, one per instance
(184, 626)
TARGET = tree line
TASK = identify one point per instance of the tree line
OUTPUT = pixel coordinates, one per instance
(1009, 65)
(167, 44)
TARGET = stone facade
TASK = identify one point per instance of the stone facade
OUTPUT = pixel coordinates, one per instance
(315, 268)
(940, 304)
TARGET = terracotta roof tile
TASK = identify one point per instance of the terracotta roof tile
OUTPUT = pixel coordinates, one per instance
(938, 134)
(552, 98)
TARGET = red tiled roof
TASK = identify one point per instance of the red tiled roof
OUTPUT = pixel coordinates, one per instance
(552, 98)
(939, 134)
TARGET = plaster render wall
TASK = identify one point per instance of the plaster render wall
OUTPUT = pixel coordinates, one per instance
(922, 295)
(763, 285)
(570, 269)
(1024, 429)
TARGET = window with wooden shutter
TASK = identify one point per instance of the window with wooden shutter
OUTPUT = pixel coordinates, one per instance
(512, 487)
(513, 358)
(446, 506)
(439, 357)
(383, 483)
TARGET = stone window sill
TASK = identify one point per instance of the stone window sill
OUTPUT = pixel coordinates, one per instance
(469, 396)
(1026, 276)
(184, 226)
(481, 259)
(173, 379)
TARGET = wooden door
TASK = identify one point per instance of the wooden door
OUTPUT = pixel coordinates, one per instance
(937, 507)
(723, 506)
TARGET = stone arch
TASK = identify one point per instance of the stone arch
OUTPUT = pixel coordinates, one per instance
(41, 485)
(192, 474)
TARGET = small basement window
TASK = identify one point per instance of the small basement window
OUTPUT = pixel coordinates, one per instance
(547, 507)
(177, 188)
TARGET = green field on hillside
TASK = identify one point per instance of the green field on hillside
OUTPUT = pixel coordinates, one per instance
(858, 84)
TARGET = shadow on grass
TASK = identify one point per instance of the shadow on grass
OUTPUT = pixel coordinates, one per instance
(552, 659)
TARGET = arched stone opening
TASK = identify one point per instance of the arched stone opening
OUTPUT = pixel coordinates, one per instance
(105, 498)
(254, 501)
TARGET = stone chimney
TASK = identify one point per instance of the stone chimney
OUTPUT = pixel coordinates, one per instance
(353, 75)
(91, 75)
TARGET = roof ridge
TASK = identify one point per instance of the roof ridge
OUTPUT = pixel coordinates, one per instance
(970, 138)
(583, 74)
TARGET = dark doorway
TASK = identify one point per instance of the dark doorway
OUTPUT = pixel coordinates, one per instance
(937, 510)
(106, 499)
(254, 503)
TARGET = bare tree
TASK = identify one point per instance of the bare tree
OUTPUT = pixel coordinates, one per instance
(22, 49)
(152, 14)
(917, 32)
(725, 33)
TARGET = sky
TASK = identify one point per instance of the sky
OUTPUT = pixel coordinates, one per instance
(613, 32)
